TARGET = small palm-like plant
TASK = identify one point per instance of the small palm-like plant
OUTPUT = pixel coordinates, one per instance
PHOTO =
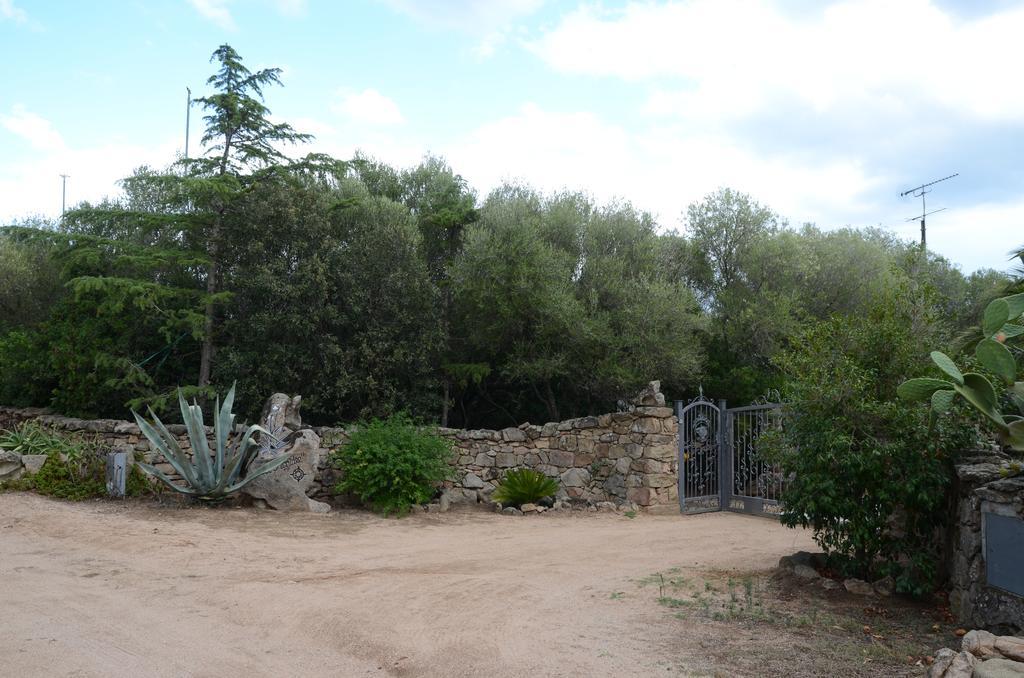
(209, 476)
(524, 486)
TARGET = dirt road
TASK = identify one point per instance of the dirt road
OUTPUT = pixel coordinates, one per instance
(111, 589)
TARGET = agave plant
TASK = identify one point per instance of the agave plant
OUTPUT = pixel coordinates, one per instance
(1001, 321)
(524, 486)
(209, 476)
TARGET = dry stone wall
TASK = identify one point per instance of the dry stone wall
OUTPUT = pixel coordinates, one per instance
(984, 488)
(627, 457)
(622, 457)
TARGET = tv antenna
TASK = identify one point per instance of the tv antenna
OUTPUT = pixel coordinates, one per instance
(920, 192)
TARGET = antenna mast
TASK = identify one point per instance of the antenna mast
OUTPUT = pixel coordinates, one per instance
(188, 112)
(63, 193)
(920, 192)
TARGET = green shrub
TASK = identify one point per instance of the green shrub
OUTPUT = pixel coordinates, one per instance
(392, 464)
(75, 468)
(68, 479)
(524, 486)
(868, 472)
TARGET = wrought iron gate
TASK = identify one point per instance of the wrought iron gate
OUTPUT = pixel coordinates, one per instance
(719, 464)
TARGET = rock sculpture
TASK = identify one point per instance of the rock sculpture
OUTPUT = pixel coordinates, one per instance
(286, 487)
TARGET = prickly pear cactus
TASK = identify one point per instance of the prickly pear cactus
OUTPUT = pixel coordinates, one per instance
(1000, 322)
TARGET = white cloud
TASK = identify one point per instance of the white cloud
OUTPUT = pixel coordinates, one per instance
(32, 184)
(216, 11)
(733, 57)
(492, 19)
(8, 10)
(291, 7)
(369, 107)
(661, 169)
(978, 236)
(466, 15)
(35, 129)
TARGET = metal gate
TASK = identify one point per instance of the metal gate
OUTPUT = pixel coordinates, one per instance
(719, 464)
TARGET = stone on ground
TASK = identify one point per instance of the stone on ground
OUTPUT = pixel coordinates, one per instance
(33, 462)
(999, 668)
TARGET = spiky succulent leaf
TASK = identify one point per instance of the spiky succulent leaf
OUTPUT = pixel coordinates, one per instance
(524, 486)
(257, 472)
(947, 365)
(242, 452)
(978, 391)
(921, 388)
(166, 444)
(997, 358)
(942, 401)
(207, 476)
(997, 313)
(162, 477)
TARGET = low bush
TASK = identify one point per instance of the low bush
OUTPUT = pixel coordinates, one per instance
(524, 486)
(392, 464)
(75, 468)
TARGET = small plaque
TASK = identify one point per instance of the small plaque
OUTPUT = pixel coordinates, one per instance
(1004, 552)
(117, 464)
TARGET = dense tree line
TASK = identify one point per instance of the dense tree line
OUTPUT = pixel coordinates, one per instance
(370, 289)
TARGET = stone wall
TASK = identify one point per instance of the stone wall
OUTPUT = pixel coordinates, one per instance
(625, 457)
(983, 488)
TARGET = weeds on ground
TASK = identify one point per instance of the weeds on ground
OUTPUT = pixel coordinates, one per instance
(842, 632)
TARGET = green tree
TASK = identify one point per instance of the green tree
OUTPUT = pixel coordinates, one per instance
(867, 473)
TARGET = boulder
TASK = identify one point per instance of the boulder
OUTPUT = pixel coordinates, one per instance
(33, 462)
(281, 411)
(650, 396)
(980, 643)
(10, 465)
(472, 482)
(285, 488)
(858, 587)
(962, 666)
(528, 508)
(805, 572)
(999, 668)
(885, 586)
(576, 477)
(1010, 647)
(943, 658)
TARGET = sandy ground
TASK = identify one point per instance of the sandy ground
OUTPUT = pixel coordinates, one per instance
(111, 589)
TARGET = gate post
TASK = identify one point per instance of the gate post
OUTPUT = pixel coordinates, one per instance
(680, 464)
(724, 456)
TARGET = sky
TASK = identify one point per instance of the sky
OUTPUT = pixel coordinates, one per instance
(824, 111)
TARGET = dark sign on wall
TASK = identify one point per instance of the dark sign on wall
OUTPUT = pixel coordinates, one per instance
(1004, 552)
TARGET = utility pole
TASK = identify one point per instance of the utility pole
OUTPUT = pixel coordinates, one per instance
(63, 193)
(920, 192)
(188, 112)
